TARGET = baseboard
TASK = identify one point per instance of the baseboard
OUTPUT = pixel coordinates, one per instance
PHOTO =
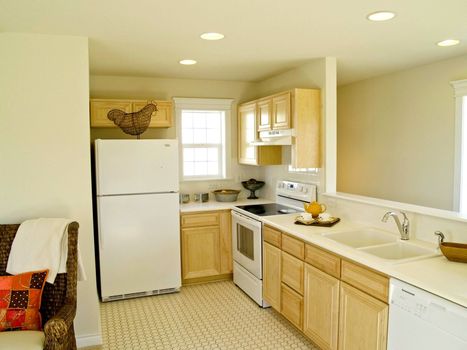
(88, 340)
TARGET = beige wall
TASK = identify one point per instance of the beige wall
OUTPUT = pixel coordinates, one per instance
(165, 89)
(396, 135)
(44, 144)
(315, 74)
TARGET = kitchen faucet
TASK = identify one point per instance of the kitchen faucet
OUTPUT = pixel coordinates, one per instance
(403, 228)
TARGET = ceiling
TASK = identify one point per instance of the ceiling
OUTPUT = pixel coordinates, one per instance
(262, 37)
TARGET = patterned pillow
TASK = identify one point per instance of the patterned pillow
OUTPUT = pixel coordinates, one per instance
(20, 300)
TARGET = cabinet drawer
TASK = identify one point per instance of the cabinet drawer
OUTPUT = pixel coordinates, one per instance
(200, 219)
(293, 246)
(292, 306)
(292, 272)
(366, 280)
(272, 236)
(323, 260)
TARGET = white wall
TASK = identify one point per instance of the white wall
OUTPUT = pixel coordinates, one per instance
(318, 73)
(396, 135)
(44, 144)
(165, 89)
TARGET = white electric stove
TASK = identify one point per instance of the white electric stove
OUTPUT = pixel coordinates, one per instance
(247, 233)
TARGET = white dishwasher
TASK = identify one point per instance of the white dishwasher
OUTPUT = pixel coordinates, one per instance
(419, 320)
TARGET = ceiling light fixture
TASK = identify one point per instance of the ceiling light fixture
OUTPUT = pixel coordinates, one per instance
(188, 62)
(212, 36)
(448, 42)
(381, 16)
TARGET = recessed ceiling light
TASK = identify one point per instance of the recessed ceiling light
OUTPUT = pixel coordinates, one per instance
(188, 62)
(448, 42)
(212, 36)
(381, 16)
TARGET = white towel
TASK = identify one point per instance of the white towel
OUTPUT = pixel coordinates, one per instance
(42, 244)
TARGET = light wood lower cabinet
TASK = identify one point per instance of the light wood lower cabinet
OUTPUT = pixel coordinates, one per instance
(292, 306)
(201, 254)
(292, 272)
(338, 304)
(206, 243)
(363, 320)
(321, 307)
(272, 275)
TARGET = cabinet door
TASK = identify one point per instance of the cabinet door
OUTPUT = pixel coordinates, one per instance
(247, 133)
(200, 252)
(226, 242)
(264, 111)
(100, 108)
(162, 118)
(272, 275)
(292, 305)
(363, 320)
(281, 111)
(321, 307)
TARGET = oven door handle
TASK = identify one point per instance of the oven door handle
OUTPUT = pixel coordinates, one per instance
(239, 216)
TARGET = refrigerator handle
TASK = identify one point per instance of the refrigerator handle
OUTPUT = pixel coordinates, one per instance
(99, 231)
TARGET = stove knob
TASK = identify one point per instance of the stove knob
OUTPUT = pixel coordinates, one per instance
(306, 190)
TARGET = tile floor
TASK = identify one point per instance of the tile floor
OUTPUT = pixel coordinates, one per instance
(208, 316)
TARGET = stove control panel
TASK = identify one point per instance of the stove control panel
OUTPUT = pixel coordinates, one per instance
(296, 190)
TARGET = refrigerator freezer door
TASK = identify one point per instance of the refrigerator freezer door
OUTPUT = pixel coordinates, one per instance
(136, 166)
(139, 243)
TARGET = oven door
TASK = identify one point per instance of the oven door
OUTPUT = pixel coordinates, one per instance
(246, 241)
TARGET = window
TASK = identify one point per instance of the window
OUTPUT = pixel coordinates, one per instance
(460, 155)
(204, 141)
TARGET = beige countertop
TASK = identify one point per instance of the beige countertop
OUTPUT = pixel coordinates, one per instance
(436, 274)
(214, 205)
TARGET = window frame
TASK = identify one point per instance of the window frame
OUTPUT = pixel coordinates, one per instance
(206, 104)
(460, 144)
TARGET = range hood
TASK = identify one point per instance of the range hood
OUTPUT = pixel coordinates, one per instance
(274, 138)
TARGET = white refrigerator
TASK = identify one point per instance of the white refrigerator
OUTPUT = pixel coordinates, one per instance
(138, 217)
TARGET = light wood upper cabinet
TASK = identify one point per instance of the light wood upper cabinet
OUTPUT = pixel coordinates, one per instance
(281, 111)
(363, 320)
(99, 108)
(264, 111)
(321, 308)
(248, 154)
(162, 118)
(297, 109)
(306, 149)
(272, 275)
(206, 242)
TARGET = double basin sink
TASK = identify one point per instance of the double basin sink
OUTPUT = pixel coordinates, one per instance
(382, 244)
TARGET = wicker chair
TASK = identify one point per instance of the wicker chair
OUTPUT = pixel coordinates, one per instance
(58, 307)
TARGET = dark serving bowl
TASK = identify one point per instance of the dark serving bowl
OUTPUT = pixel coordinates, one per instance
(253, 185)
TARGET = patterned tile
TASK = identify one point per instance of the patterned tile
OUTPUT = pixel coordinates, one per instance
(207, 316)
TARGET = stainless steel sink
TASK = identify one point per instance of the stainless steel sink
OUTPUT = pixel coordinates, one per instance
(362, 238)
(399, 251)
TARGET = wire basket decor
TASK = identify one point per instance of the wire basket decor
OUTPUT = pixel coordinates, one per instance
(133, 123)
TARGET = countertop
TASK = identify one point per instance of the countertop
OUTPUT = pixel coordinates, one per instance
(214, 205)
(436, 275)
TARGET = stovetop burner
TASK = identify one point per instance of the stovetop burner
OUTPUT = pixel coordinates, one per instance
(267, 209)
